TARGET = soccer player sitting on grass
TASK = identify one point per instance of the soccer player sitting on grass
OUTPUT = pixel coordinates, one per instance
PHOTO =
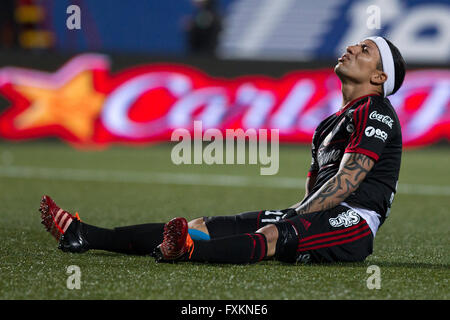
(356, 155)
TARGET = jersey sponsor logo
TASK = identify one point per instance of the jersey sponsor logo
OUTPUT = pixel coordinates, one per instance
(345, 219)
(376, 133)
(381, 118)
(327, 157)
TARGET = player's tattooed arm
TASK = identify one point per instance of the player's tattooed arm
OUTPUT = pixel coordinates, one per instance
(352, 171)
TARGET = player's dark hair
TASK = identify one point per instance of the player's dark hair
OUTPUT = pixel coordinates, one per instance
(399, 66)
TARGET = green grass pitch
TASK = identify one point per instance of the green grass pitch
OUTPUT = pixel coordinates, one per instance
(131, 185)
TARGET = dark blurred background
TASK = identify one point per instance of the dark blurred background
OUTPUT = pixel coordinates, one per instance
(226, 38)
(288, 33)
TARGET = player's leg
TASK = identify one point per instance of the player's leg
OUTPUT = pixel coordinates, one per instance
(244, 238)
(143, 239)
(338, 234)
(238, 248)
(247, 222)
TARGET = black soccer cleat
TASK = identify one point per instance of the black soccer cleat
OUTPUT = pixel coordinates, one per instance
(73, 240)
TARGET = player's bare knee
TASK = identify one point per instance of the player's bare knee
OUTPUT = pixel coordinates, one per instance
(198, 224)
(271, 233)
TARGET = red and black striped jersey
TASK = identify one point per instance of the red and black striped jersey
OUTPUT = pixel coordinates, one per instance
(368, 125)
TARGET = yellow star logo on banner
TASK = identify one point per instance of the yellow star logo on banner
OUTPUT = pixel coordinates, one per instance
(75, 106)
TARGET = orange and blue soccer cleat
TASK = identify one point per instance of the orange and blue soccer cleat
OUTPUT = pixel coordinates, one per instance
(177, 244)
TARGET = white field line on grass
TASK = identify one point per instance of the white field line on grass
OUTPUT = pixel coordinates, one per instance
(70, 174)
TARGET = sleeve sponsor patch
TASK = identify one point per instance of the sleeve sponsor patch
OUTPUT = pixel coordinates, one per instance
(376, 133)
(374, 115)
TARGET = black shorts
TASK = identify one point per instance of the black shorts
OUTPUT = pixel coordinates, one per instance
(335, 235)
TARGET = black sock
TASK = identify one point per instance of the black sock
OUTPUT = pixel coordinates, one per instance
(241, 249)
(224, 226)
(139, 239)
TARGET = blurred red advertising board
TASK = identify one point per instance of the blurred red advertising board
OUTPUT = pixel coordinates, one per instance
(84, 104)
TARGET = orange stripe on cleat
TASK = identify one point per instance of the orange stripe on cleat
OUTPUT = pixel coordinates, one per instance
(190, 245)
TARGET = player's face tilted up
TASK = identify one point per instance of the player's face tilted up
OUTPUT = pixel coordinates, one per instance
(360, 64)
(356, 155)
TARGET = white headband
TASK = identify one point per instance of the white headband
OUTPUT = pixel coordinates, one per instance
(388, 63)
